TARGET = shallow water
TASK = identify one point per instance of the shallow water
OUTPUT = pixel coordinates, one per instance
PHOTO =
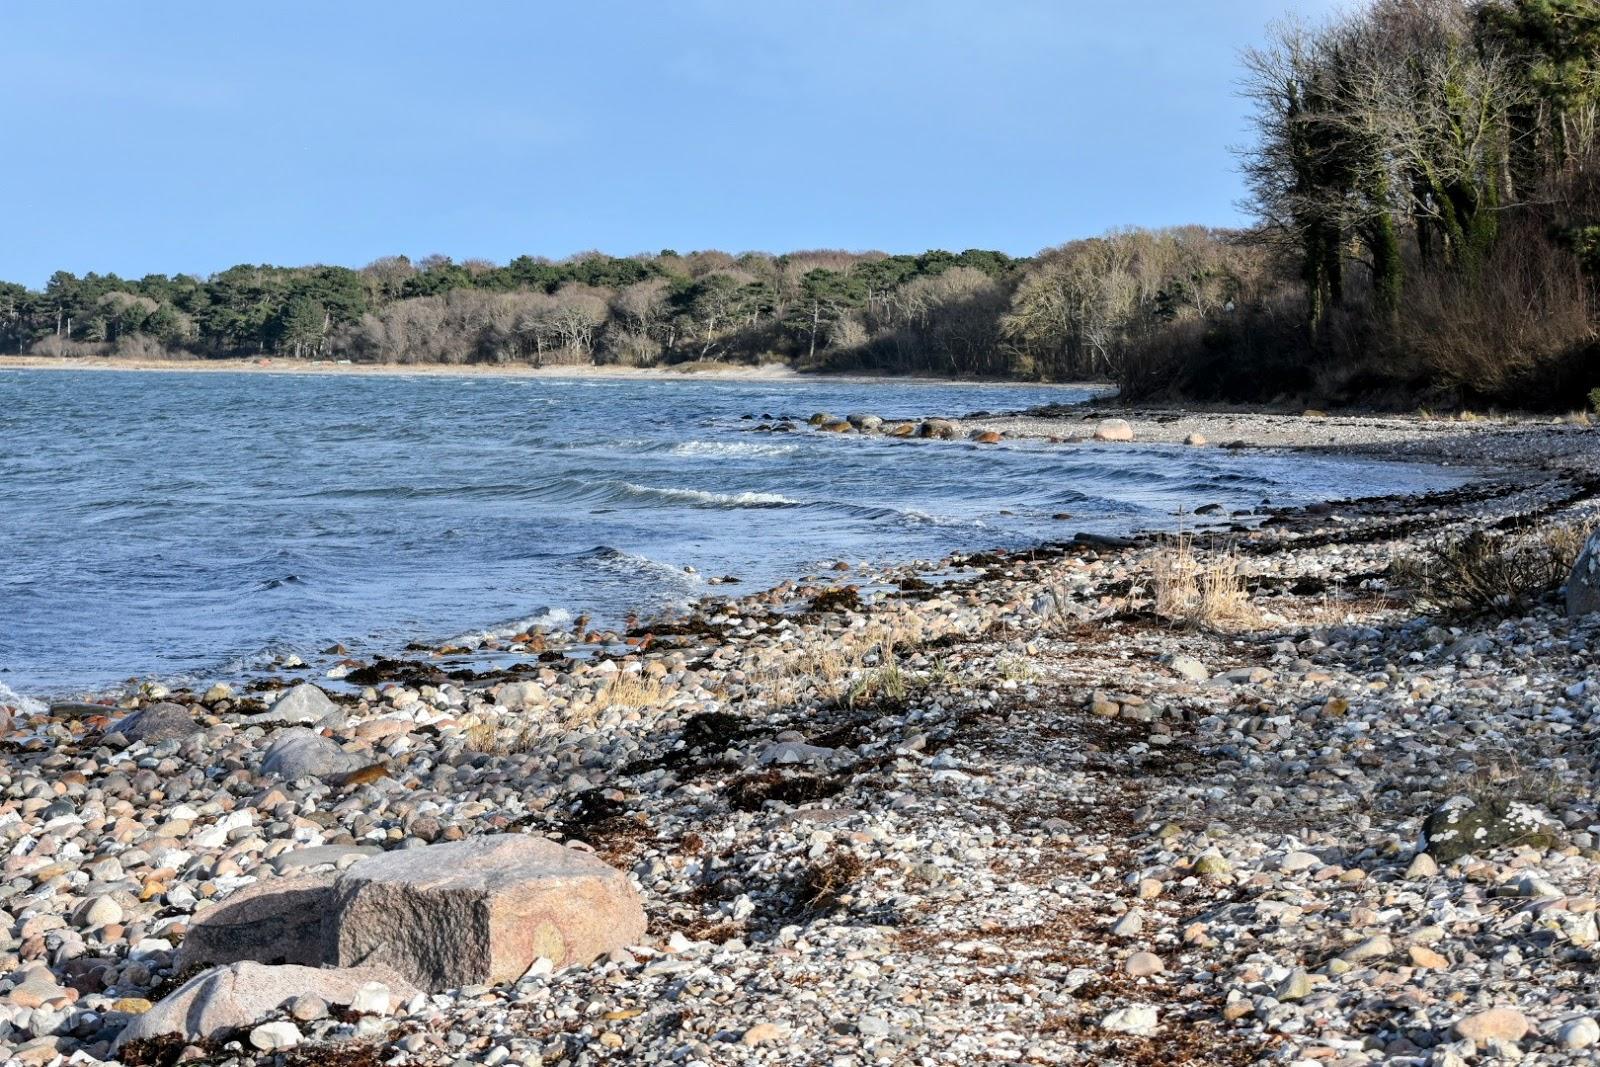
(191, 525)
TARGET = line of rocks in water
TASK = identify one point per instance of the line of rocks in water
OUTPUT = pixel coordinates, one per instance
(1105, 430)
(992, 809)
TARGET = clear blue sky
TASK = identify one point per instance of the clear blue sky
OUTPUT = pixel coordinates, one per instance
(187, 136)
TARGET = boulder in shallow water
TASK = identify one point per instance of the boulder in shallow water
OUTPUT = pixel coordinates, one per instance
(301, 753)
(1583, 585)
(1113, 430)
(279, 920)
(159, 722)
(1463, 826)
(240, 995)
(304, 705)
(482, 910)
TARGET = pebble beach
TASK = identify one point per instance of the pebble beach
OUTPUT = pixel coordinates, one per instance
(1003, 807)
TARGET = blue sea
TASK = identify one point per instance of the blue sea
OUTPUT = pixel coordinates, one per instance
(195, 525)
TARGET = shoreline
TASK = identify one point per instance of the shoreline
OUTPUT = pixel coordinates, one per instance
(1046, 819)
(768, 372)
(1494, 448)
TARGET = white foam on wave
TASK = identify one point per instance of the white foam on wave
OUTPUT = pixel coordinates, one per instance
(545, 619)
(922, 518)
(731, 448)
(10, 698)
(701, 496)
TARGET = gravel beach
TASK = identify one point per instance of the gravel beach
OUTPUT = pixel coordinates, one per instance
(995, 808)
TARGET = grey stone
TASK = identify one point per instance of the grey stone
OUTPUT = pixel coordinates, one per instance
(1583, 584)
(304, 705)
(785, 752)
(159, 722)
(1579, 1033)
(308, 1008)
(516, 695)
(317, 855)
(301, 753)
(240, 995)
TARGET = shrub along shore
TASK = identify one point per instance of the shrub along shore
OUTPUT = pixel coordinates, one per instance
(1099, 802)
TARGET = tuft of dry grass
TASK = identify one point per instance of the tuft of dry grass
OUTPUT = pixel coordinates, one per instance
(1015, 669)
(630, 689)
(884, 684)
(484, 735)
(625, 689)
(1490, 573)
(1501, 774)
(854, 668)
(1201, 591)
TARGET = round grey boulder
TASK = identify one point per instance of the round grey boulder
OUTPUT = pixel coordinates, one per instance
(159, 722)
(301, 753)
(304, 705)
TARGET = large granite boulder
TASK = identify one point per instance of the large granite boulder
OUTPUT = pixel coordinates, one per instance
(279, 920)
(301, 753)
(1583, 585)
(157, 723)
(223, 1000)
(304, 705)
(1463, 826)
(482, 910)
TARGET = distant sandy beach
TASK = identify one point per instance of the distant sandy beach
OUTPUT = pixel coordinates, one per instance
(268, 365)
(766, 372)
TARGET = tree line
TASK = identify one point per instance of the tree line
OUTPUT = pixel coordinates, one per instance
(1425, 176)
(1059, 314)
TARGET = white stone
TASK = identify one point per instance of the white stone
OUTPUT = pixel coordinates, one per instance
(1139, 1019)
(269, 1036)
(1113, 430)
(371, 999)
(1579, 1033)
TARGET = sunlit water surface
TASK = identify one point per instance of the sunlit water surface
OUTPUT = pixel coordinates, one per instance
(191, 525)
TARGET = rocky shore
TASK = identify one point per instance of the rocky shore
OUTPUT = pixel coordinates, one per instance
(1032, 807)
